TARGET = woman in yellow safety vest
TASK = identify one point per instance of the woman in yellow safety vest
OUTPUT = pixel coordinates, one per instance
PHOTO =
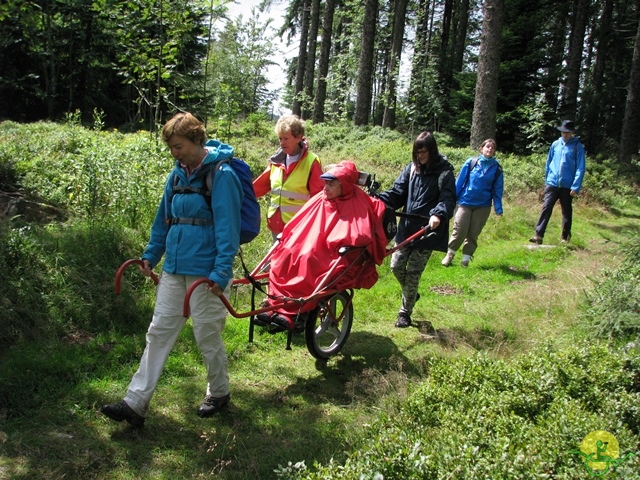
(292, 176)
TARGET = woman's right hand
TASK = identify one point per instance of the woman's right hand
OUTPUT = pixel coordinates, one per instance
(145, 268)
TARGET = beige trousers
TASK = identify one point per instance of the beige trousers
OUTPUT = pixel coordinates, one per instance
(208, 314)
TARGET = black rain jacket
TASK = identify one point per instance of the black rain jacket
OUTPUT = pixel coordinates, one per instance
(424, 191)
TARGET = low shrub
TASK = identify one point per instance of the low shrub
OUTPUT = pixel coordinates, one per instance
(613, 304)
(483, 418)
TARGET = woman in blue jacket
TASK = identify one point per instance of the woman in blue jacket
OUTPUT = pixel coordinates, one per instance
(198, 232)
(480, 183)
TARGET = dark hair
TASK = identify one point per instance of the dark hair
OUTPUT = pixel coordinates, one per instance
(488, 140)
(428, 141)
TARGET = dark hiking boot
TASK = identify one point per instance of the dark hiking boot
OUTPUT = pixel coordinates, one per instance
(262, 319)
(403, 321)
(121, 411)
(537, 240)
(280, 323)
(212, 405)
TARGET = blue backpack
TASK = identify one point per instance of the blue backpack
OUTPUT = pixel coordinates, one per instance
(250, 209)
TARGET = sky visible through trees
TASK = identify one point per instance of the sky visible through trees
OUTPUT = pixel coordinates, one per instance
(275, 73)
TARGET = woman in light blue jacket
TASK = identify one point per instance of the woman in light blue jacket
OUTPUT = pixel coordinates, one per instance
(479, 184)
(198, 232)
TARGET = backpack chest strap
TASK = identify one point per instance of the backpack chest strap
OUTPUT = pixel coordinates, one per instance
(201, 222)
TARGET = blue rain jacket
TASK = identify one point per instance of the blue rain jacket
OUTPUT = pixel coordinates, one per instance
(565, 164)
(199, 250)
(479, 186)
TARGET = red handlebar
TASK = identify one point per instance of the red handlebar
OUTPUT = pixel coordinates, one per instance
(187, 297)
(122, 268)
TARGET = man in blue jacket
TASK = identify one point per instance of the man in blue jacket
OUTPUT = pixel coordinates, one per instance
(563, 177)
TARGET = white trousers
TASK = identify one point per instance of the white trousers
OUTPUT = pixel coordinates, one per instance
(208, 314)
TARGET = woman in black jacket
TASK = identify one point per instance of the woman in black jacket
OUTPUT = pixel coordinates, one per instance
(426, 191)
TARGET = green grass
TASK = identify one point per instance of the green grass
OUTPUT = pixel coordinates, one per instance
(513, 378)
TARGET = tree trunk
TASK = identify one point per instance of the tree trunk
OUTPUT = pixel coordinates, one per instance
(556, 49)
(457, 60)
(484, 109)
(594, 101)
(323, 63)
(309, 74)
(341, 70)
(574, 58)
(444, 60)
(629, 140)
(418, 94)
(296, 108)
(389, 117)
(365, 68)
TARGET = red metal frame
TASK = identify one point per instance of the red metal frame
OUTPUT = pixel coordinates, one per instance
(256, 275)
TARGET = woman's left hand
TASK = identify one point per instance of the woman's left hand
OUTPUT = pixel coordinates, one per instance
(215, 289)
(434, 221)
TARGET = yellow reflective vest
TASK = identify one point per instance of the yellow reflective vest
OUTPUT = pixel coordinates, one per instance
(291, 194)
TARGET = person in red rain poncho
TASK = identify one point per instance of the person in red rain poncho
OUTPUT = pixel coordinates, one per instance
(340, 215)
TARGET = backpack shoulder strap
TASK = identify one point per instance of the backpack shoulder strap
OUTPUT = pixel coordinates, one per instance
(472, 165)
(212, 173)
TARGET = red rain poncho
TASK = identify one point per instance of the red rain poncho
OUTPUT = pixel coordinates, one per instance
(311, 240)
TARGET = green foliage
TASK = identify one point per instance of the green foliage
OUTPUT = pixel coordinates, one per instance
(479, 399)
(483, 418)
(235, 83)
(602, 185)
(535, 114)
(58, 280)
(613, 307)
(105, 175)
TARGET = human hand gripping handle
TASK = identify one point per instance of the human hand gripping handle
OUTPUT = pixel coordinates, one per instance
(434, 221)
(145, 268)
(214, 288)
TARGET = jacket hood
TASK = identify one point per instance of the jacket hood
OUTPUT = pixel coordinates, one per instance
(217, 151)
(347, 174)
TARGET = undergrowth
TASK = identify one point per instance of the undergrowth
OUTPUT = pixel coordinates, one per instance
(484, 418)
(509, 385)
(613, 307)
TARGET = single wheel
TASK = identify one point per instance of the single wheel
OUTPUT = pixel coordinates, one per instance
(329, 324)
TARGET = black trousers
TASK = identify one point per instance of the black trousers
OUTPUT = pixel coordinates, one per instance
(551, 196)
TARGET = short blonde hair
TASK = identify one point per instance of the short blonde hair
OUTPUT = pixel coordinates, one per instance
(186, 125)
(290, 123)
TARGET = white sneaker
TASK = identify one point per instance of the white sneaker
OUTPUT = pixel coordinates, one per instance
(446, 261)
